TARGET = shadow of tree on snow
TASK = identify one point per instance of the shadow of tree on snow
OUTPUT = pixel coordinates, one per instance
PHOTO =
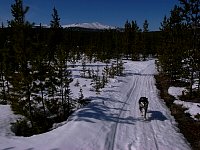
(99, 111)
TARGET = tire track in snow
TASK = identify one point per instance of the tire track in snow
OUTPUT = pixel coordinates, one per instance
(149, 86)
(110, 140)
(141, 139)
(156, 134)
(131, 145)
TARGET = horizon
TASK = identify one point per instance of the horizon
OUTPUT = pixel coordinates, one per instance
(111, 13)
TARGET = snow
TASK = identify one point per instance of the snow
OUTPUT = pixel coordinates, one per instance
(176, 91)
(94, 25)
(192, 108)
(42, 25)
(6, 117)
(112, 120)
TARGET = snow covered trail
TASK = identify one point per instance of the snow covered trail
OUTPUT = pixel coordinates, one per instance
(112, 121)
(158, 132)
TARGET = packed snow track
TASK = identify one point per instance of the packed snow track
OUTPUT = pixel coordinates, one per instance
(113, 121)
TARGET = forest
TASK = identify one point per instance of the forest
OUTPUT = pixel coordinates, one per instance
(34, 61)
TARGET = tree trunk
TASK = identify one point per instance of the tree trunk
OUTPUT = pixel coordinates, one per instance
(29, 102)
(199, 82)
(191, 82)
(3, 81)
(43, 105)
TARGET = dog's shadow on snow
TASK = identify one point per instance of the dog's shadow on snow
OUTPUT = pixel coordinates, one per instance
(156, 115)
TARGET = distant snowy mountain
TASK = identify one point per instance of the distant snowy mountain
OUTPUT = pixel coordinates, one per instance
(41, 25)
(95, 25)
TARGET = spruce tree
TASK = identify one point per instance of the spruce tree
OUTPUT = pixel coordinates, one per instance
(136, 40)
(190, 10)
(20, 44)
(127, 39)
(18, 12)
(56, 35)
(145, 43)
(61, 78)
(40, 85)
(52, 66)
(173, 44)
(146, 26)
(55, 22)
(3, 91)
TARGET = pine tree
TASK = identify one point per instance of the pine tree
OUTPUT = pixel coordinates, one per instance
(64, 79)
(127, 39)
(127, 26)
(120, 68)
(18, 12)
(55, 22)
(84, 66)
(52, 80)
(20, 43)
(68, 104)
(146, 26)
(3, 95)
(136, 40)
(145, 43)
(106, 72)
(62, 76)
(135, 27)
(81, 97)
(3, 55)
(191, 14)
(173, 44)
(56, 35)
(40, 85)
(77, 83)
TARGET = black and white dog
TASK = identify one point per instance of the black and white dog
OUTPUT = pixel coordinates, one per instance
(143, 106)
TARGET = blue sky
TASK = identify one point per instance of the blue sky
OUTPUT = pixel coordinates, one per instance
(109, 12)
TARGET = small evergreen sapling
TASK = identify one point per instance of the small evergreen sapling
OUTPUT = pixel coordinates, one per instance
(77, 83)
(80, 99)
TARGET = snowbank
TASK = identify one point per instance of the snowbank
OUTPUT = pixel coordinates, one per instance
(176, 91)
(6, 118)
(192, 108)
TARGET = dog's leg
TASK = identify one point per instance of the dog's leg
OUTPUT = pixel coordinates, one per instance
(145, 117)
(142, 109)
(142, 113)
(145, 113)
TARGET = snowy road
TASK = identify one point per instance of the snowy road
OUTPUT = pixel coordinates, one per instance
(159, 132)
(113, 121)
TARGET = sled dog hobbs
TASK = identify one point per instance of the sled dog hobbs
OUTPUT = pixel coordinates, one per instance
(143, 106)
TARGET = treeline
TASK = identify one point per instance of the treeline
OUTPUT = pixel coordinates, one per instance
(179, 53)
(104, 44)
